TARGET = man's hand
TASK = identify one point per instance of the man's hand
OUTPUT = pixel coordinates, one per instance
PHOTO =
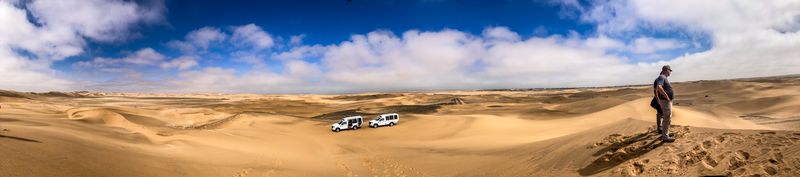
(660, 91)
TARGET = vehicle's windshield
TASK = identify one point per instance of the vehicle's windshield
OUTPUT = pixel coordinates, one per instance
(342, 122)
(377, 118)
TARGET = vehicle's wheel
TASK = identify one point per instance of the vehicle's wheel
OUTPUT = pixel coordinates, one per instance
(391, 123)
(374, 125)
(355, 127)
(336, 130)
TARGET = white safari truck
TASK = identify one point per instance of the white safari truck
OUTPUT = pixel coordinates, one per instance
(385, 119)
(353, 122)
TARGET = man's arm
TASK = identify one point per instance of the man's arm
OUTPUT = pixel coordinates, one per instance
(660, 90)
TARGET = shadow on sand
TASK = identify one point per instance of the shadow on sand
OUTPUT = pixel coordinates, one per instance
(621, 149)
(20, 138)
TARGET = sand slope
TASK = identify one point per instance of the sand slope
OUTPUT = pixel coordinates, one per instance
(733, 127)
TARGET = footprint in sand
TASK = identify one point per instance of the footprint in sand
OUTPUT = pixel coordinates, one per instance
(738, 160)
(771, 170)
(243, 173)
(743, 154)
(708, 144)
(720, 139)
(776, 158)
(636, 168)
(737, 172)
(709, 162)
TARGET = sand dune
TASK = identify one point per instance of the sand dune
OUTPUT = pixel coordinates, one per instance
(732, 127)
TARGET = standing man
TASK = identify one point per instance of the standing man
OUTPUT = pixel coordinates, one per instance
(664, 96)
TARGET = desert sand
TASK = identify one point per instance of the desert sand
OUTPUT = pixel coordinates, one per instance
(736, 127)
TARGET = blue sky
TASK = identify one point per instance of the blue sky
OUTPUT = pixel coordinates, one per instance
(328, 22)
(386, 45)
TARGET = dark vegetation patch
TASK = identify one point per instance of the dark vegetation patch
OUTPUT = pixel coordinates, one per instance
(297, 108)
(175, 98)
(400, 109)
(496, 98)
(413, 109)
(77, 94)
(338, 115)
(6, 93)
(367, 97)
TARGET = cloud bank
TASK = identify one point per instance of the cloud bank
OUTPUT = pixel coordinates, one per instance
(35, 34)
(749, 38)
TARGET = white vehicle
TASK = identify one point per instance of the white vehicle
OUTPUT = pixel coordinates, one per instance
(353, 122)
(385, 119)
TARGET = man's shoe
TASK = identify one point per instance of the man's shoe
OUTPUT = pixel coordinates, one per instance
(660, 132)
(668, 139)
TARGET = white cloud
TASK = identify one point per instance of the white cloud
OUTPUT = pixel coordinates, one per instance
(296, 40)
(199, 40)
(603, 42)
(447, 59)
(644, 45)
(418, 60)
(611, 17)
(23, 74)
(253, 35)
(145, 56)
(216, 79)
(208, 79)
(640, 45)
(451, 59)
(247, 43)
(204, 36)
(181, 63)
(500, 33)
(59, 29)
(100, 20)
(257, 59)
(141, 59)
(301, 52)
(302, 69)
(748, 38)
(546, 62)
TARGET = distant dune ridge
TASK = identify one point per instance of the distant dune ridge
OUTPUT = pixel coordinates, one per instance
(739, 127)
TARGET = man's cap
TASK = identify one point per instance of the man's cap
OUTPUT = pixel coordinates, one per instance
(666, 67)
